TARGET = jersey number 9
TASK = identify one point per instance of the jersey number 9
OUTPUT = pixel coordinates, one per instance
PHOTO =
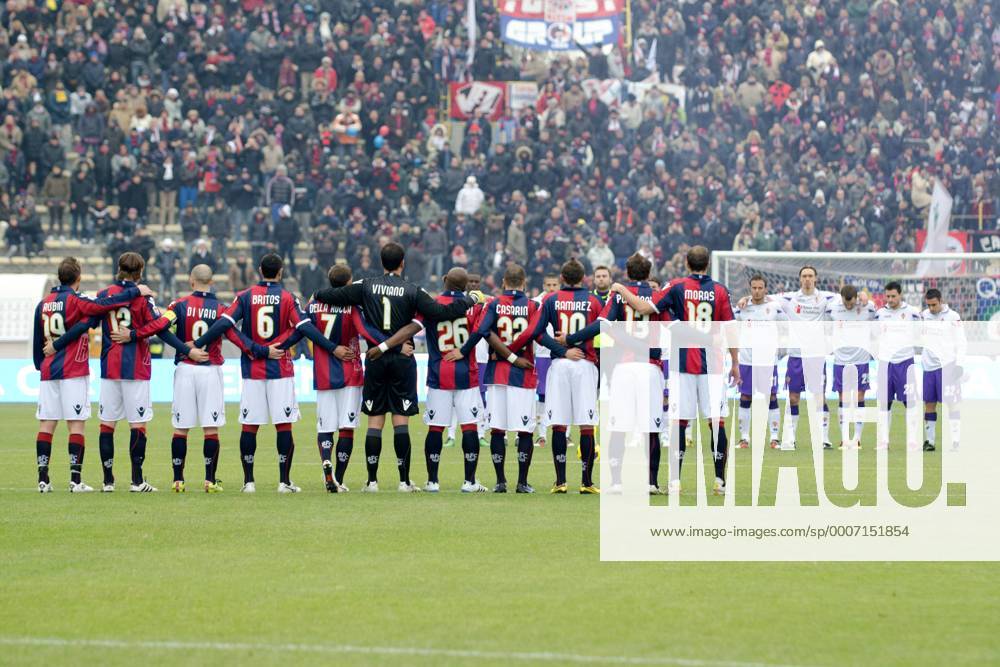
(53, 325)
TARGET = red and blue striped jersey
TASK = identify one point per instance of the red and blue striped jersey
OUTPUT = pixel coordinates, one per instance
(192, 316)
(444, 336)
(508, 316)
(341, 325)
(568, 310)
(267, 312)
(617, 310)
(59, 311)
(126, 361)
(696, 298)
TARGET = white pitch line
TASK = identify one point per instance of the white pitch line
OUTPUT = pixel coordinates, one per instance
(411, 651)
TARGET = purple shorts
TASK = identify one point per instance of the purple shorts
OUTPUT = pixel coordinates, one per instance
(799, 369)
(893, 383)
(482, 381)
(542, 369)
(757, 376)
(862, 377)
(942, 385)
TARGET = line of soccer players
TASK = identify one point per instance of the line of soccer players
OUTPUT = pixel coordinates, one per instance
(266, 320)
(894, 346)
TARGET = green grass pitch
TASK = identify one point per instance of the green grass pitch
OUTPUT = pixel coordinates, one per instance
(420, 579)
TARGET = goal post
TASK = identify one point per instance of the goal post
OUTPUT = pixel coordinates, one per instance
(969, 282)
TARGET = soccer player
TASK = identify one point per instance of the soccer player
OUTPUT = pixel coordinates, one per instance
(630, 415)
(944, 346)
(510, 385)
(543, 359)
(62, 360)
(268, 313)
(755, 372)
(482, 357)
(895, 355)
(337, 379)
(198, 395)
(602, 283)
(852, 342)
(806, 370)
(125, 374)
(388, 304)
(452, 382)
(571, 392)
(696, 299)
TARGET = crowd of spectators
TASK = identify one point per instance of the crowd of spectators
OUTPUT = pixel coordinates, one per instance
(805, 126)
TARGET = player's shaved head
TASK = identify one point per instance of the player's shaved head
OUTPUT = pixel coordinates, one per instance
(513, 277)
(697, 259)
(201, 275)
(638, 267)
(456, 279)
(130, 266)
(572, 272)
(339, 275)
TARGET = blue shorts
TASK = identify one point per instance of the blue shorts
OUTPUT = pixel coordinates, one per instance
(795, 374)
(756, 377)
(942, 385)
(893, 383)
(542, 369)
(862, 377)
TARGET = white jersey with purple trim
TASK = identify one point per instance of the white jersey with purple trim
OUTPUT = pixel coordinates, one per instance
(760, 337)
(942, 337)
(802, 307)
(897, 332)
(540, 350)
(851, 331)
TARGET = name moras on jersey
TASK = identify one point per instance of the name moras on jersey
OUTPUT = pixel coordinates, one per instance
(696, 299)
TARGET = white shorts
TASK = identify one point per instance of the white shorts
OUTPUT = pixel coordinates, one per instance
(510, 408)
(125, 399)
(466, 405)
(198, 399)
(635, 402)
(338, 408)
(64, 399)
(699, 394)
(271, 401)
(571, 393)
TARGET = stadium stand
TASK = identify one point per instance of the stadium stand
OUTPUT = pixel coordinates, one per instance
(324, 127)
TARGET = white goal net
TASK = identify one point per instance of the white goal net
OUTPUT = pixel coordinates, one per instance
(969, 282)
